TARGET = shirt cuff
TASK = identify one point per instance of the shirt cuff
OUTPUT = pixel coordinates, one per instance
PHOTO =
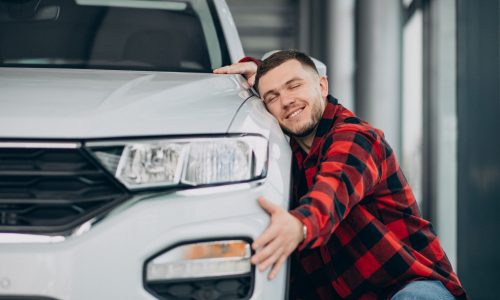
(258, 62)
(307, 222)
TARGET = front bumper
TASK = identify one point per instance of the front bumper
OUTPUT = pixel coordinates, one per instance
(107, 261)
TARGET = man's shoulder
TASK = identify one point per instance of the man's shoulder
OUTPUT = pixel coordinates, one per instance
(346, 121)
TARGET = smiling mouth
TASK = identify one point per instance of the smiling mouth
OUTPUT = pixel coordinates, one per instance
(295, 113)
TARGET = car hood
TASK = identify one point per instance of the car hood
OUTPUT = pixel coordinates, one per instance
(82, 104)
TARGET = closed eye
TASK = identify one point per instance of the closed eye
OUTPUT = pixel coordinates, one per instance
(294, 85)
(270, 99)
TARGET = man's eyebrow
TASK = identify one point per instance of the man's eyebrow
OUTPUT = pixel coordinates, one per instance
(273, 91)
(292, 80)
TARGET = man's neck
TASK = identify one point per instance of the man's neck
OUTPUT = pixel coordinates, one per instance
(306, 142)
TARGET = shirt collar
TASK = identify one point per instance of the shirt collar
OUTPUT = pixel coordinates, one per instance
(324, 126)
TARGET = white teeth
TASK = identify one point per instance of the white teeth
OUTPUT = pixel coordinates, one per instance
(295, 113)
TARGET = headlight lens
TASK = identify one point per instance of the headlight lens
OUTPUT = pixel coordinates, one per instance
(151, 164)
(198, 161)
(210, 162)
(201, 260)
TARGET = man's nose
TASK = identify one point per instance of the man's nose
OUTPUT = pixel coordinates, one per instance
(287, 99)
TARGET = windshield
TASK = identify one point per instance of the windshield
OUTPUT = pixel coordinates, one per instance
(110, 34)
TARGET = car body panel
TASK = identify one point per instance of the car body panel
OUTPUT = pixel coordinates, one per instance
(107, 261)
(100, 103)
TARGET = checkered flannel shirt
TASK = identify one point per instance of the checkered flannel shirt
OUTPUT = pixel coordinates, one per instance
(366, 238)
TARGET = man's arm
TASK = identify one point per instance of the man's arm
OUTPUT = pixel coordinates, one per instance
(348, 172)
(247, 67)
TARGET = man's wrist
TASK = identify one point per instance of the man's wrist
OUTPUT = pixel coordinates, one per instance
(307, 231)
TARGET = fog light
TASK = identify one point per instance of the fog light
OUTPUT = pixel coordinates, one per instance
(201, 260)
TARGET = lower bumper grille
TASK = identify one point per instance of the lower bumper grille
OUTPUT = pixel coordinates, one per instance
(236, 288)
(52, 191)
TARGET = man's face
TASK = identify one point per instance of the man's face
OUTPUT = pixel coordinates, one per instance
(295, 95)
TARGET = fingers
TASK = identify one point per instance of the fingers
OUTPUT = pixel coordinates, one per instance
(269, 234)
(251, 80)
(245, 68)
(273, 255)
(273, 230)
(278, 241)
(270, 260)
(222, 70)
(237, 68)
(266, 251)
(277, 266)
(268, 206)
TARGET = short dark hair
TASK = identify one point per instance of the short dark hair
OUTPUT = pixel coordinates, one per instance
(280, 57)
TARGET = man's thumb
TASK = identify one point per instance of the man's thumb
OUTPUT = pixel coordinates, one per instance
(268, 206)
(251, 80)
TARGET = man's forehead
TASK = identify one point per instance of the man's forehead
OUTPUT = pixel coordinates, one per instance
(291, 69)
(285, 72)
(287, 67)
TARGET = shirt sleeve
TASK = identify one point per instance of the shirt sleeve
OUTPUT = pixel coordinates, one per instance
(258, 62)
(347, 172)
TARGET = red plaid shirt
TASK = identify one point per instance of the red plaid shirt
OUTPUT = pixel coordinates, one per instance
(366, 238)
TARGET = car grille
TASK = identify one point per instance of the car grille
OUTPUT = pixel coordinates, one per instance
(237, 288)
(52, 191)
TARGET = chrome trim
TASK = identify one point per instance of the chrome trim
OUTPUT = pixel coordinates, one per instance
(175, 139)
(44, 145)
(24, 238)
(224, 188)
(84, 227)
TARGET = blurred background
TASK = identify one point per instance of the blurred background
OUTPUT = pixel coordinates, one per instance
(427, 73)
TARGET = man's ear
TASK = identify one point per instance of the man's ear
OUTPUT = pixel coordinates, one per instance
(323, 85)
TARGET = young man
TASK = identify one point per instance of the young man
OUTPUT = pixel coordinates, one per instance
(355, 223)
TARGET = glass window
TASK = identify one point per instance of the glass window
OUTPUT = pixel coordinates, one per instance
(127, 34)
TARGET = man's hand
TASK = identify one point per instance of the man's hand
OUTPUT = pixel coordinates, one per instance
(247, 69)
(278, 241)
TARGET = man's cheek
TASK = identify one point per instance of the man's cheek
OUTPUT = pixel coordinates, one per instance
(274, 113)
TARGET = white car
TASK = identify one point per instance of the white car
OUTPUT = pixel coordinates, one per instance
(127, 169)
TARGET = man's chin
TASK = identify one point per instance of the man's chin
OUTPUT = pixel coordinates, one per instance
(302, 133)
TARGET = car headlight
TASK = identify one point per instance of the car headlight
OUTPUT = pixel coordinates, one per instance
(201, 260)
(219, 269)
(193, 161)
